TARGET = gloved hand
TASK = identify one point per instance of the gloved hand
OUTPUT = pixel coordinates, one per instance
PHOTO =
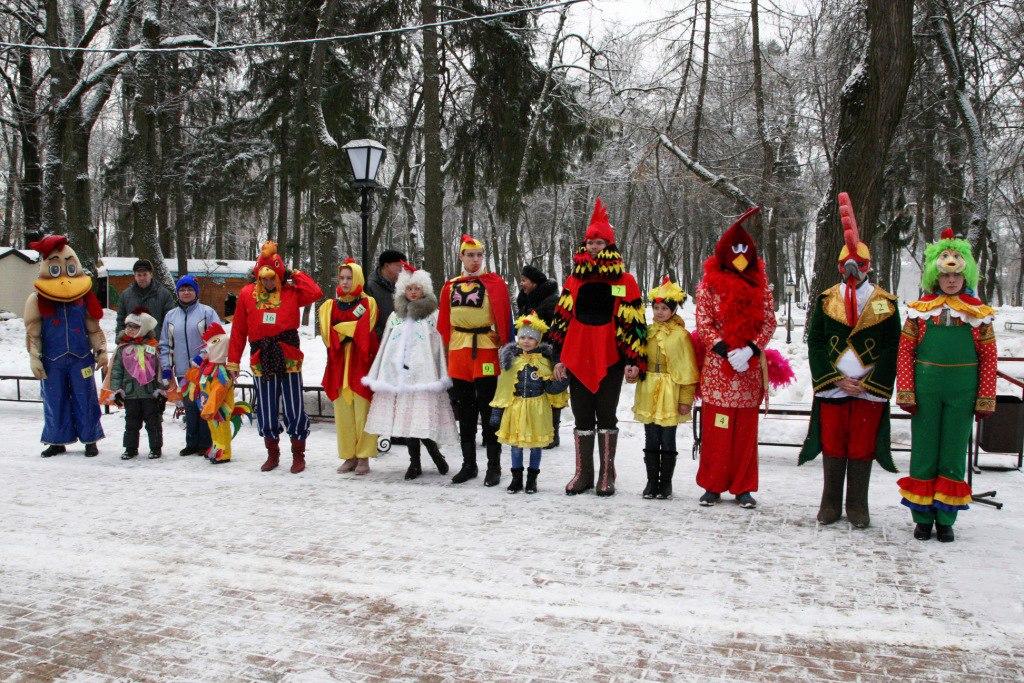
(908, 407)
(119, 398)
(36, 364)
(496, 414)
(720, 348)
(165, 375)
(739, 358)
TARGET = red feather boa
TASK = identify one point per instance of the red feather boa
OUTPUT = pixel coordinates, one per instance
(741, 299)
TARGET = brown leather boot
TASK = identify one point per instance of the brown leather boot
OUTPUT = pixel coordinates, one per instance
(298, 456)
(583, 479)
(273, 454)
(858, 476)
(832, 489)
(606, 442)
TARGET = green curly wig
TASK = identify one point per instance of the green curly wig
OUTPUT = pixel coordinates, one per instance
(930, 276)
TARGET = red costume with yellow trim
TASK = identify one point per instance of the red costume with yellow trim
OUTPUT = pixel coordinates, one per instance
(735, 320)
(347, 325)
(474, 319)
(268, 319)
(598, 329)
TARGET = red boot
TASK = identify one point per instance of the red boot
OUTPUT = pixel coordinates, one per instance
(273, 454)
(298, 456)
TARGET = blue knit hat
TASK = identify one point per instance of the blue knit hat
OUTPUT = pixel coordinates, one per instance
(187, 281)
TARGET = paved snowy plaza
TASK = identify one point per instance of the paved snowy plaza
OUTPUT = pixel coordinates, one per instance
(173, 569)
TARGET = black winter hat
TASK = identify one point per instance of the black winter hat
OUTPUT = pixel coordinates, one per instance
(389, 256)
(535, 274)
(142, 264)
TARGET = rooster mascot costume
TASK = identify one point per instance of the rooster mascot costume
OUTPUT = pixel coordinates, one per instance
(268, 317)
(852, 343)
(735, 320)
(65, 346)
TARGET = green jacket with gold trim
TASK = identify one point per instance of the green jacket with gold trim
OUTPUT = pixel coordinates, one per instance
(874, 339)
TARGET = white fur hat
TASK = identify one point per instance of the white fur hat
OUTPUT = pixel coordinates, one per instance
(413, 277)
(141, 317)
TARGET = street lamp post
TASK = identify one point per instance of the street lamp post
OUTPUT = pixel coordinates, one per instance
(366, 157)
(790, 293)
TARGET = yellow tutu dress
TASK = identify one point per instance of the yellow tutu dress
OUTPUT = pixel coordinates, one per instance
(526, 419)
(671, 375)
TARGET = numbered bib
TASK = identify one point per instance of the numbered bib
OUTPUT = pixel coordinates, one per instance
(270, 318)
(487, 369)
(619, 290)
(880, 307)
(150, 350)
(359, 310)
(721, 421)
(87, 372)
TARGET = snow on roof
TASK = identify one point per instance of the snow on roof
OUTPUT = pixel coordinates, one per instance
(122, 265)
(27, 255)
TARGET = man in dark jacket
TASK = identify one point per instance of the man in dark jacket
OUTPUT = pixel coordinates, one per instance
(144, 293)
(381, 285)
(536, 293)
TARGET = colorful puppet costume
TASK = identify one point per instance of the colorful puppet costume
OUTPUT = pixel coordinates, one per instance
(735, 320)
(946, 375)
(65, 344)
(853, 337)
(523, 400)
(347, 327)
(599, 328)
(269, 321)
(211, 385)
(475, 320)
(667, 389)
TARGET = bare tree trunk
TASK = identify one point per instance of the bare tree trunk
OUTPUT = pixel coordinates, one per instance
(327, 207)
(539, 107)
(698, 114)
(871, 104)
(282, 193)
(30, 184)
(942, 23)
(433, 235)
(403, 155)
(768, 236)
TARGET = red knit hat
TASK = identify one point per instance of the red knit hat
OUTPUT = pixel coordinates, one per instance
(49, 244)
(736, 249)
(212, 331)
(600, 228)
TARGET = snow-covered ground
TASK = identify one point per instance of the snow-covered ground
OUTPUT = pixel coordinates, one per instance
(173, 569)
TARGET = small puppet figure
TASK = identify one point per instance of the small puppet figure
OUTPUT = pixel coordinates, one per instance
(212, 384)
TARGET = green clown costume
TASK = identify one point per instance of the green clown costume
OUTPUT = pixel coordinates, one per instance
(946, 375)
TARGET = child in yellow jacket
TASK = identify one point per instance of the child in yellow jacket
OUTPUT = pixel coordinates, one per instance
(523, 400)
(665, 396)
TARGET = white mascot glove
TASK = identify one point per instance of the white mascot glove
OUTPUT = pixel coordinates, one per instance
(739, 358)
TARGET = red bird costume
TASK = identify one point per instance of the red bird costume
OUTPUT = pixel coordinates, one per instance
(735, 320)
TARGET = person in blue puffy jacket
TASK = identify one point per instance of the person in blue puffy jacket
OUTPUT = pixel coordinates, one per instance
(181, 338)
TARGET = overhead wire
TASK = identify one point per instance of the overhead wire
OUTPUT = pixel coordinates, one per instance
(233, 47)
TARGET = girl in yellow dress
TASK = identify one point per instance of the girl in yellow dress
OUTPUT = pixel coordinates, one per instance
(523, 400)
(665, 396)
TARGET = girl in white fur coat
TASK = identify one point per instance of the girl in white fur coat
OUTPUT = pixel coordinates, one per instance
(409, 376)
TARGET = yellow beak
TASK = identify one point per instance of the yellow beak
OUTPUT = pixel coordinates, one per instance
(64, 288)
(740, 263)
